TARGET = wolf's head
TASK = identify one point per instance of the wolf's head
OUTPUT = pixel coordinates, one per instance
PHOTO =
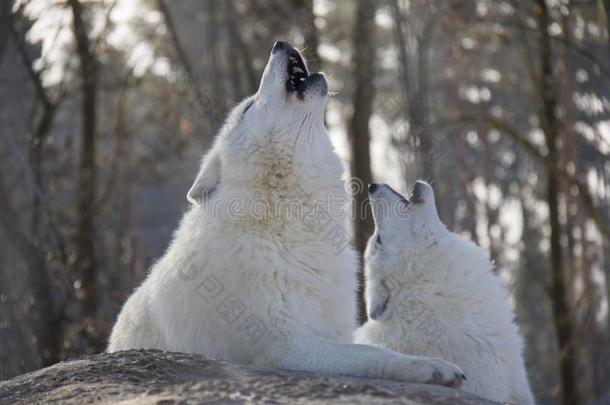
(271, 138)
(404, 223)
(286, 82)
(406, 229)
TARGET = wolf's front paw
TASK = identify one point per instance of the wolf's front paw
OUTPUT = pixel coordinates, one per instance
(426, 370)
(441, 372)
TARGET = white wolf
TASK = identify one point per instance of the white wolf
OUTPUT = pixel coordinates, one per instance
(258, 272)
(431, 292)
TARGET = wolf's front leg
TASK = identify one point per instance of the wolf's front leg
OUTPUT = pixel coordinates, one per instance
(308, 352)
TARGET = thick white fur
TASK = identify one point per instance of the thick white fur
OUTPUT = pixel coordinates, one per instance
(291, 280)
(433, 293)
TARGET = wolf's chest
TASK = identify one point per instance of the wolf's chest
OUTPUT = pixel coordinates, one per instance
(273, 166)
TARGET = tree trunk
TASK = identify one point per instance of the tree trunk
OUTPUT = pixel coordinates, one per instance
(121, 280)
(241, 48)
(607, 10)
(235, 74)
(421, 105)
(41, 315)
(214, 61)
(43, 122)
(46, 316)
(414, 70)
(310, 32)
(402, 49)
(364, 65)
(604, 204)
(5, 21)
(532, 284)
(550, 127)
(465, 178)
(37, 138)
(607, 273)
(85, 247)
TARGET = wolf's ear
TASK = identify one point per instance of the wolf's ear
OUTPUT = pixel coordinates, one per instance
(207, 178)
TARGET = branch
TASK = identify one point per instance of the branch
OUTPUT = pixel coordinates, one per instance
(28, 63)
(171, 27)
(565, 41)
(241, 45)
(196, 95)
(585, 195)
(513, 23)
(49, 105)
(107, 23)
(116, 156)
(61, 244)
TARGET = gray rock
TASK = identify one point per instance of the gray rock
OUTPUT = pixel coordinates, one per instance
(151, 376)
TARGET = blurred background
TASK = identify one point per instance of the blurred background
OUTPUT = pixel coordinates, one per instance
(107, 105)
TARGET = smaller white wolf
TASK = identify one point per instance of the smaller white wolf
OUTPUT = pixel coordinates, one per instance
(431, 292)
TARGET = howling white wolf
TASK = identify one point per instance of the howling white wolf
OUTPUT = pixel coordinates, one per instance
(259, 272)
(432, 293)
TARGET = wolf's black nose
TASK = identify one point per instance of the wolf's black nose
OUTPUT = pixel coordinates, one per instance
(373, 187)
(279, 45)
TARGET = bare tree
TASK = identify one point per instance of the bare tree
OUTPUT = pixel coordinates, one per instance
(413, 38)
(605, 203)
(240, 48)
(44, 114)
(85, 238)
(550, 126)
(5, 19)
(42, 317)
(121, 278)
(47, 329)
(606, 4)
(364, 69)
(215, 62)
(184, 61)
(310, 32)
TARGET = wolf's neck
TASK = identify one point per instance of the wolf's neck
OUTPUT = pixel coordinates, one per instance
(427, 264)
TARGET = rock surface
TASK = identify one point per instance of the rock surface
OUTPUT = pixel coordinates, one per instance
(141, 376)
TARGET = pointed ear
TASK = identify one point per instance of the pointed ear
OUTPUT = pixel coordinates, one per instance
(207, 178)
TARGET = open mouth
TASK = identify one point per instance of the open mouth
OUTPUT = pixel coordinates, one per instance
(297, 73)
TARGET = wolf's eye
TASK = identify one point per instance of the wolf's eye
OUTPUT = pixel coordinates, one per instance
(247, 108)
(379, 239)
